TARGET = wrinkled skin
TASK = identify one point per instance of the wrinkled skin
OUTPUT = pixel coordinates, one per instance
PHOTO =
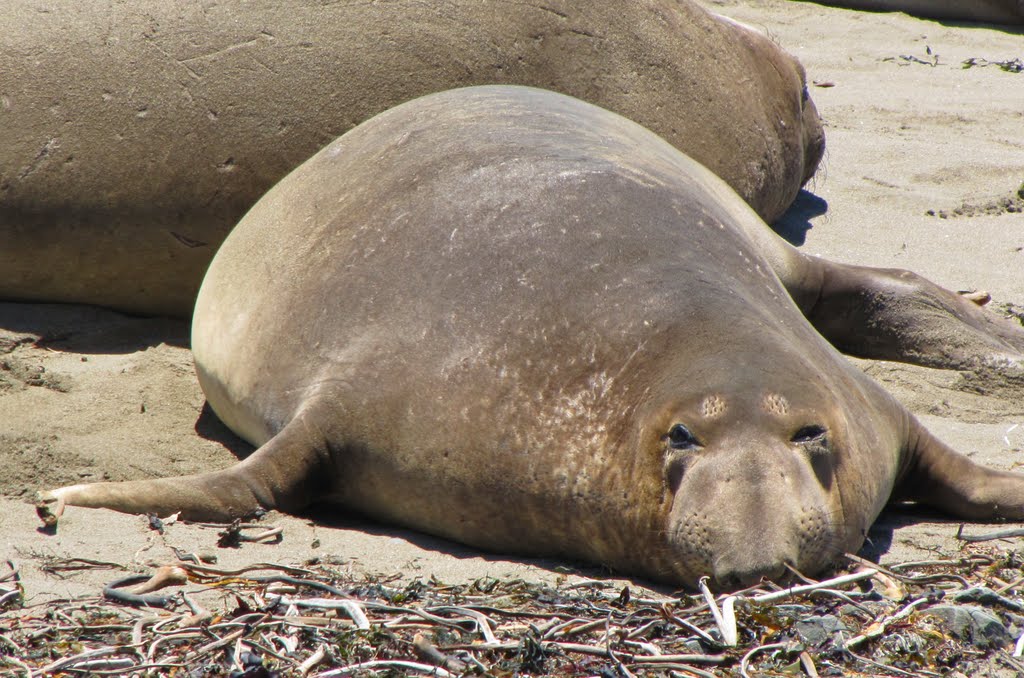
(133, 143)
(986, 11)
(516, 320)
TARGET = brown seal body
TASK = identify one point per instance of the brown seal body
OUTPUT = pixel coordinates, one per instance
(984, 11)
(514, 319)
(132, 145)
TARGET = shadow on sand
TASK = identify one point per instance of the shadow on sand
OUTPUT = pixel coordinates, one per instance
(796, 221)
(87, 329)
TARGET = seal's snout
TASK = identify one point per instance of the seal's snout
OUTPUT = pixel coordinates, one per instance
(763, 553)
(747, 509)
(745, 550)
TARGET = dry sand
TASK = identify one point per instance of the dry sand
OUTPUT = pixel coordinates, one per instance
(104, 396)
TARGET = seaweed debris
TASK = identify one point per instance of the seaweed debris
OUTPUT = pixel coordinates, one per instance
(914, 619)
(1008, 65)
(1011, 204)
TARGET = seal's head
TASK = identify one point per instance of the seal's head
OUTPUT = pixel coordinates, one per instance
(814, 130)
(749, 500)
(782, 83)
(752, 463)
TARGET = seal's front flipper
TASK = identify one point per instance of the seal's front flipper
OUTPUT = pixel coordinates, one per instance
(286, 473)
(891, 314)
(936, 475)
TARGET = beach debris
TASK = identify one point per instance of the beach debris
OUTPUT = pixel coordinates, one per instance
(11, 591)
(1011, 204)
(1011, 311)
(155, 523)
(979, 297)
(725, 618)
(822, 631)
(1009, 65)
(973, 625)
(952, 615)
(168, 575)
(116, 591)
(236, 533)
(907, 59)
(1006, 436)
(989, 536)
(986, 596)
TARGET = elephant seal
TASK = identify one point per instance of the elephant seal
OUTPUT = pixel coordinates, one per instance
(984, 11)
(132, 145)
(517, 320)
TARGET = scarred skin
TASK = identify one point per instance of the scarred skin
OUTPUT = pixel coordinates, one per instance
(135, 142)
(984, 11)
(516, 320)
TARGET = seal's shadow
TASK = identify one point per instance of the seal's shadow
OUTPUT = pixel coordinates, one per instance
(880, 536)
(208, 426)
(895, 517)
(78, 328)
(796, 221)
(1012, 29)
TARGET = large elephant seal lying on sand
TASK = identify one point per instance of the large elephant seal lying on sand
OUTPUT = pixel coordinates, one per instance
(987, 11)
(514, 319)
(131, 145)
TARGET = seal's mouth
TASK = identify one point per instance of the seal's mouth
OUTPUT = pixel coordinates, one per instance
(733, 579)
(785, 581)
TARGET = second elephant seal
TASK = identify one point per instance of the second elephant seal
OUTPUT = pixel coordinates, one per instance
(132, 145)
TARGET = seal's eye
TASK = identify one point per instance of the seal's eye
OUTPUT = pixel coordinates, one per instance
(680, 438)
(808, 434)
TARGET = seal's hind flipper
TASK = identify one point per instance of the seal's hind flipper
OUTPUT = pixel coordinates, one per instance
(936, 475)
(892, 314)
(282, 474)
